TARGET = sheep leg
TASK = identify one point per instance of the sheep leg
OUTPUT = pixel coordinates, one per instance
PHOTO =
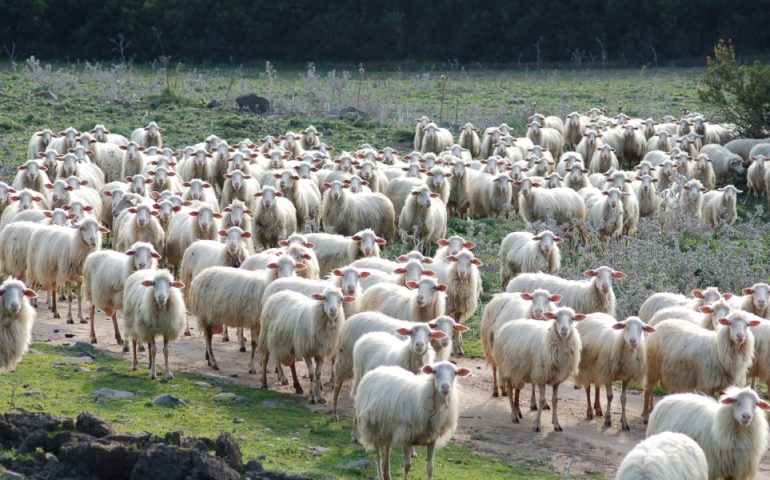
(516, 402)
(210, 351)
(533, 400)
(69, 311)
(80, 302)
(429, 461)
(598, 401)
(554, 400)
(494, 381)
(241, 338)
(187, 327)
(151, 351)
(514, 415)
(254, 335)
(281, 375)
(225, 335)
(647, 401)
(333, 373)
(311, 375)
(166, 370)
(386, 461)
(407, 460)
(118, 337)
(135, 363)
(62, 295)
(541, 405)
(92, 332)
(319, 398)
(54, 306)
(589, 410)
(335, 398)
(607, 417)
(458, 343)
(265, 358)
(378, 461)
(297, 387)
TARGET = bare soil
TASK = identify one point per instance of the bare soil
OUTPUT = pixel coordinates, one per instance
(584, 447)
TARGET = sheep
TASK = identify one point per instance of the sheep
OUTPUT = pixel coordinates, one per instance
(347, 213)
(311, 138)
(591, 141)
(742, 147)
(198, 165)
(6, 192)
(611, 351)
(435, 139)
(685, 357)
(589, 296)
(524, 252)
(238, 186)
(723, 160)
(23, 200)
(633, 146)
(202, 192)
(103, 135)
(438, 182)
(576, 178)
(506, 307)
(647, 195)
(551, 121)
(603, 160)
(65, 140)
(237, 214)
(705, 316)
(754, 300)
(243, 290)
(275, 217)
(335, 251)
(490, 195)
(540, 352)
(425, 217)
(540, 166)
(186, 228)
(732, 432)
(459, 189)
(16, 319)
(55, 256)
(149, 136)
(755, 176)
(208, 253)
(660, 141)
(719, 206)
(469, 139)
(460, 273)
(32, 175)
(296, 251)
(153, 306)
(290, 142)
(133, 159)
(165, 179)
(548, 138)
(409, 270)
(369, 172)
(661, 300)
(691, 199)
(417, 301)
(65, 192)
(703, 171)
(664, 456)
(167, 208)
(295, 326)
(104, 278)
(57, 216)
(39, 142)
(564, 205)
(138, 184)
(574, 128)
(605, 211)
(140, 224)
(14, 242)
(383, 423)
(304, 194)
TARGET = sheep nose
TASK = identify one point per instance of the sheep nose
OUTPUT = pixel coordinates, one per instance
(564, 331)
(14, 307)
(605, 288)
(746, 417)
(537, 313)
(205, 227)
(162, 300)
(739, 338)
(444, 389)
(142, 266)
(333, 312)
(420, 300)
(350, 289)
(633, 342)
(367, 251)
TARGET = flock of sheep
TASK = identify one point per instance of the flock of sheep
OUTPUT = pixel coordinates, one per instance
(283, 239)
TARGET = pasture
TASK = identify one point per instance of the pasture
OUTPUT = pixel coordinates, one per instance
(288, 435)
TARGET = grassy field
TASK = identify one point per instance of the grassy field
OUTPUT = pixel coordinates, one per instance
(123, 97)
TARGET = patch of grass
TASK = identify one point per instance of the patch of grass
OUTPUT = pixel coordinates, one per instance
(295, 440)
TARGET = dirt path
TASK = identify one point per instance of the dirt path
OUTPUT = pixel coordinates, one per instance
(583, 447)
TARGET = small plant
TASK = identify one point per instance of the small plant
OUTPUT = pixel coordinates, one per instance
(739, 92)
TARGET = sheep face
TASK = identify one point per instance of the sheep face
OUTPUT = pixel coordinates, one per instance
(132, 150)
(237, 178)
(541, 302)
(503, 183)
(49, 159)
(577, 173)
(455, 243)
(547, 241)
(161, 284)
(298, 253)
(289, 139)
(5, 192)
(237, 162)
(458, 168)
(760, 293)
(153, 130)
(444, 375)
(738, 325)
(633, 330)
(603, 278)
(199, 157)
(26, 199)
(424, 196)
(286, 180)
(356, 184)
(437, 177)
(31, 169)
(491, 165)
(138, 184)
(736, 163)
(692, 191)
(166, 209)
(710, 295)
(14, 293)
(285, 266)
(335, 189)
(310, 135)
(464, 263)
(82, 153)
(234, 242)
(332, 301)
(78, 209)
(161, 175)
(553, 181)
(349, 280)
(448, 326)
(534, 128)
(70, 135)
(646, 182)
(237, 212)
(744, 402)
(59, 217)
(90, 232)
(276, 159)
(304, 170)
(591, 136)
(419, 337)
(143, 214)
(144, 255)
(388, 156)
(413, 270)
(206, 218)
(196, 189)
(517, 173)
(100, 133)
(368, 242)
(527, 186)
(367, 170)
(427, 290)
(46, 135)
(563, 319)
(69, 164)
(614, 199)
(413, 170)
(729, 194)
(268, 195)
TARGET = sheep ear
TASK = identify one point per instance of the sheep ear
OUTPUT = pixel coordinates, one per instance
(469, 245)
(443, 242)
(476, 262)
(404, 331)
(463, 372)
(380, 241)
(549, 315)
(437, 335)
(362, 274)
(763, 405)
(748, 291)
(30, 293)
(317, 296)
(217, 215)
(441, 287)
(411, 284)
(337, 272)
(754, 323)
(177, 284)
(283, 243)
(429, 273)
(619, 326)
(618, 275)
(300, 267)
(558, 240)
(399, 271)
(272, 265)
(148, 283)
(222, 233)
(555, 297)
(648, 329)
(590, 273)
(526, 295)
(155, 255)
(579, 317)
(727, 295)
(727, 401)
(705, 309)
(451, 258)
(723, 321)
(461, 328)
(697, 294)
(246, 234)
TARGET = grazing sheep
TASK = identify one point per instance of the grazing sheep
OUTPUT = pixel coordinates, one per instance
(140, 224)
(335, 251)
(347, 213)
(611, 351)
(538, 352)
(664, 456)
(723, 160)
(589, 296)
(417, 301)
(104, 279)
(686, 357)
(425, 217)
(506, 307)
(469, 139)
(153, 306)
(490, 195)
(424, 412)
(295, 326)
(149, 136)
(524, 252)
(719, 206)
(755, 177)
(732, 432)
(563, 205)
(275, 217)
(548, 138)
(16, 319)
(603, 160)
(55, 256)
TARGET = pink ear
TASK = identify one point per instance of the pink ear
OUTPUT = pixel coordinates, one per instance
(177, 284)
(549, 315)
(763, 405)
(283, 243)
(705, 309)
(441, 287)
(727, 296)
(463, 372)
(404, 331)
(579, 317)
(649, 329)
(222, 233)
(148, 283)
(526, 295)
(590, 273)
(451, 258)
(748, 291)
(723, 321)
(30, 293)
(469, 245)
(348, 299)
(399, 271)
(728, 401)
(754, 323)
(697, 294)
(364, 274)
(427, 369)
(156, 255)
(216, 215)
(555, 297)
(443, 242)
(412, 284)
(618, 275)
(317, 296)
(429, 273)
(427, 261)
(246, 234)
(437, 335)
(619, 326)
(300, 266)
(272, 266)
(337, 272)
(380, 241)
(461, 328)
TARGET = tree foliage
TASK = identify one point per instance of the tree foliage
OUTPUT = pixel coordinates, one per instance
(740, 92)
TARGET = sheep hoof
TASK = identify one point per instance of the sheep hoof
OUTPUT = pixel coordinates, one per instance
(546, 407)
(93, 339)
(495, 394)
(537, 428)
(69, 321)
(626, 428)
(285, 381)
(242, 349)
(607, 423)
(187, 333)
(520, 415)
(533, 408)
(83, 320)
(312, 401)
(170, 376)
(125, 348)
(215, 367)
(253, 370)
(298, 390)
(598, 412)
(557, 428)
(590, 416)
(515, 418)
(263, 386)
(153, 376)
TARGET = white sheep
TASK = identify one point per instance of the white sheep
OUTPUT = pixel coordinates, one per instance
(149, 136)
(202, 192)
(611, 351)
(55, 256)
(139, 224)
(347, 213)
(187, 227)
(275, 217)
(664, 456)
(65, 140)
(546, 137)
(459, 188)
(538, 352)
(660, 141)
(506, 307)
(589, 296)
(203, 254)
(755, 176)
(605, 211)
(686, 357)
(304, 194)
(400, 188)
(425, 217)
(719, 206)
(435, 139)
(103, 135)
(591, 141)
(6, 192)
(295, 326)
(446, 246)
(661, 300)
(416, 301)
(732, 432)
(755, 299)
(574, 127)
(724, 161)
(23, 200)
(39, 142)
(469, 139)
(647, 195)
(490, 195)
(104, 278)
(32, 175)
(523, 252)
(297, 251)
(165, 179)
(153, 306)
(198, 165)
(16, 320)
(133, 159)
(603, 160)
(397, 409)
(238, 186)
(563, 205)
(336, 251)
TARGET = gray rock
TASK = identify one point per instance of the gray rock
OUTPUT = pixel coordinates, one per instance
(110, 393)
(91, 425)
(83, 346)
(203, 384)
(271, 404)
(168, 399)
(228, 450)
(214, 103)
(229, 397)
(360, 464)
(318, 451)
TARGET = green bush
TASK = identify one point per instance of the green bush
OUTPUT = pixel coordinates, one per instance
(739, 92)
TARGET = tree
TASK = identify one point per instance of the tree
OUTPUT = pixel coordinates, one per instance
(740, 92)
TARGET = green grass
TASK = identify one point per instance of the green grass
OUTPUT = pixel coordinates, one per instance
(295, 439)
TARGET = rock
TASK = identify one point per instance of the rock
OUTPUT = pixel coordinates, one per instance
(88, 355)
(237, 420)
(15, 427)
(228, 450)
(91, 425)
(69, 335)
(253, 466)
(108, 461)
(318, 451)
(138, 439)
(253, 103)
(360, 464)
(110, 393)
(83, 346)
(165, 462)
(37, 439)
(173, 438)
(214, 103)
(271, 404)
(229, 397)
(353, 113)
(168, 399)
(203, 384)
